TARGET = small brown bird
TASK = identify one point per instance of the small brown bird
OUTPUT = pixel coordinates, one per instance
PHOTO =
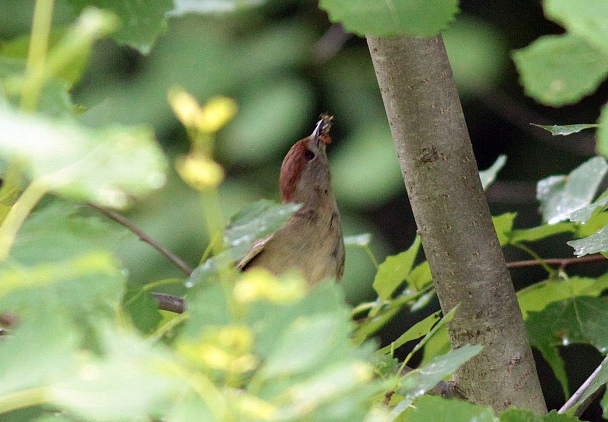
(312, 240)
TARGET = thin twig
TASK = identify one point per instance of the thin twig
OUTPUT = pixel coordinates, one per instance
(583, 389)
(557, 262)
(144, 237)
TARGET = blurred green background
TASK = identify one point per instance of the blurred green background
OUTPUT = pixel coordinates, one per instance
(285, 63)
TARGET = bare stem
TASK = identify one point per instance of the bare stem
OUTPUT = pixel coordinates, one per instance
(588, 388)
(557, 262)
(17, 215)
(170, 303)
(36, 57)
(144, 237)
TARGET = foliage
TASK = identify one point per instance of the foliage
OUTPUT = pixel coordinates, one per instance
(81, 337)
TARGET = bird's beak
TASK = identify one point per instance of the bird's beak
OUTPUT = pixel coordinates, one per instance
(318, 129)
(321, 132)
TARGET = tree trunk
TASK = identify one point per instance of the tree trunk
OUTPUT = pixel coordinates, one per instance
(454, 222)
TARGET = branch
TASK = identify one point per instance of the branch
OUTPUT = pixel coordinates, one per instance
(589, 389)
(144, 237)
(170, 303)
(557, 262)
(454, 222)
(165, 301)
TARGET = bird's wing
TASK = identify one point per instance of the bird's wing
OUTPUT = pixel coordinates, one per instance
(254, 251)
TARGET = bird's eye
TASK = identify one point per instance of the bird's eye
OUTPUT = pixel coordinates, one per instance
(309, 155)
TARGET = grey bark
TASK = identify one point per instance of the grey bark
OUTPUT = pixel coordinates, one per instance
(454, 222)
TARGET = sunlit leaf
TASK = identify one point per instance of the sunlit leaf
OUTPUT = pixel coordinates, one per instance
(417, 330)
(101, 165)
(423, 379)
(566, 129)
(503, 224)
(536, 233)
(561, 196)
(489, 175)
(183, 7)
(256, 221)
(597, 242)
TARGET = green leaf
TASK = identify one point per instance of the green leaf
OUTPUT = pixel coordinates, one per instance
(597, 220)
(141, 22)
(566, 129)
(105, 166)
(437, 345)
(584, 18)
(537, 233)
(143, 309)
(581, 319)
(61, 230)
(316, 334)
(437, 409)
(183, 7)
(602, 132)
(92, 282)
(417, 382)
(17, 48)
(503, 224)
(420, 276)
(309, 367)
(131, 379)
(561, 196)
(604, 404)
(597, 242)
(537, 296)
(585, 213)
(560, 69)
(489, 175)
(397, 17)
(256, 221)
(520, 415)
(41, 349)
(393, 271)
(418, 330)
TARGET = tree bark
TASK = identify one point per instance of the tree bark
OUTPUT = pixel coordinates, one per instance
(454, 221)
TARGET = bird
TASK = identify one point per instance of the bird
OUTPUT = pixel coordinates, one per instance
(311, 241)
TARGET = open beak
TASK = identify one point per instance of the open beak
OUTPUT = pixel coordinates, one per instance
(321, 131)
